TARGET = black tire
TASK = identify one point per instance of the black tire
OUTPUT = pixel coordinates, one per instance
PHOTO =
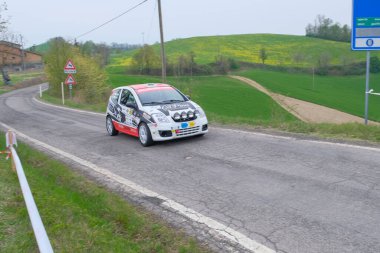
(110, 127)
(145, 137)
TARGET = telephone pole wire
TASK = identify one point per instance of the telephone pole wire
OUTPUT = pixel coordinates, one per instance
(163, 58)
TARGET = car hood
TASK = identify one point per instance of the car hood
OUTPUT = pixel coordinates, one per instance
(171, 109)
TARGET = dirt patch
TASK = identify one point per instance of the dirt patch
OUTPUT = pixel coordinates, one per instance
(306, 111)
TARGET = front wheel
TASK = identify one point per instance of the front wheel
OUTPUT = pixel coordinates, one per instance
(110, 127)
(145, 136)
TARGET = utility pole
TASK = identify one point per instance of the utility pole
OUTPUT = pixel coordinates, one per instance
(163, 58)
(144, 48)
(367, 87)
(22, 54)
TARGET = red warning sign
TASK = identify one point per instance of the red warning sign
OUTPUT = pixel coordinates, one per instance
(70, 80)
(70, 68)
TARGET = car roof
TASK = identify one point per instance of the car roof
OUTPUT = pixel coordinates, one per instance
(146, 86)
(139, 87)
(142, 88)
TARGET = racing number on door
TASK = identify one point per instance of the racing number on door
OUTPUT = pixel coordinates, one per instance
(127, 102)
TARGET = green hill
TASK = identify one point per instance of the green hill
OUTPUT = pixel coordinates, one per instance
(40, 48)
(284, 50)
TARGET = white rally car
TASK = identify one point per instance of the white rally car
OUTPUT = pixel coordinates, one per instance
(154, 112)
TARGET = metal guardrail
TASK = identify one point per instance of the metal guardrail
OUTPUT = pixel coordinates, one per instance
(35, 218)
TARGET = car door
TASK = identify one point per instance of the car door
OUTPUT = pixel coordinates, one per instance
(128, 108)
(113, 105)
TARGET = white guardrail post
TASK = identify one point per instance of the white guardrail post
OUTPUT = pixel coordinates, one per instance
(35, 218)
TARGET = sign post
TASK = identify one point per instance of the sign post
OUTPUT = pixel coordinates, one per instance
(70, 81)
(63, 94)
(366, 34)
(69, 69)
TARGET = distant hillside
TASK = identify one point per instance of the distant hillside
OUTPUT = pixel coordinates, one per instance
(285, 50)
(40, 48)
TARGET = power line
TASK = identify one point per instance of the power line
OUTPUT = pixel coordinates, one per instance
(151, 21)
(109, 21)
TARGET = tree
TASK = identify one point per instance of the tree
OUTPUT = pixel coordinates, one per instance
(100, 51)
(298, 57)
(191, 62)
(182, 65)
(222, 64)
(263, 55)
(146, 60)
(323, 64)
(325, 28)
(3, 21)
(91, 79)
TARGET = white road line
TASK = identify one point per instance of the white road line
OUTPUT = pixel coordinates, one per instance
(241, 131)
(68, 109)
(218, 228)
(343, 145)
(308, 141)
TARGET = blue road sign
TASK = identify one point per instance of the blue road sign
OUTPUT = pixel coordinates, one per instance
(366, 25)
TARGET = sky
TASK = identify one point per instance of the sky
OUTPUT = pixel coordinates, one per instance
(39, 20)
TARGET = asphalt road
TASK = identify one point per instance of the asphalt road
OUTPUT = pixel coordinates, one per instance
(289, 194)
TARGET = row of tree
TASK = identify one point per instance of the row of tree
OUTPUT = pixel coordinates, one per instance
(325, 28)
(146, 61)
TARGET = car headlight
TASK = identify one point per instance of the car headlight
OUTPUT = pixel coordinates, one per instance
(177, 116)
(184, 115)
(199, 113)
(160, 118)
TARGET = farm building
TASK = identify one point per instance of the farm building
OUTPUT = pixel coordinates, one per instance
(14, 57)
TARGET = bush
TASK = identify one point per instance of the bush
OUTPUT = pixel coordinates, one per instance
(375, 65)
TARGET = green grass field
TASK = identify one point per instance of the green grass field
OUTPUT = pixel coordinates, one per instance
(231, 102)
(19, 77)
(79, 215)
(282, 50)
(224, 99)
(345, 93)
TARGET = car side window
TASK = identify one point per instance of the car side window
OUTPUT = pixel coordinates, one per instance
(115, 96)
(131, 99)
(124, 97)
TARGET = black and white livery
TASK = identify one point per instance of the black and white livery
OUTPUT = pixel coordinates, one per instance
(154, 112)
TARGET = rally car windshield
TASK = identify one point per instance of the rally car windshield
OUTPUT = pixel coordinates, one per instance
(161, 96)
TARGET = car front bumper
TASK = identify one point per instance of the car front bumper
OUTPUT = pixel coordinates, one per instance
(175, 130)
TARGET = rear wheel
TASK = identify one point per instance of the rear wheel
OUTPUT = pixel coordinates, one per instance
(110, 127)
(145, 136)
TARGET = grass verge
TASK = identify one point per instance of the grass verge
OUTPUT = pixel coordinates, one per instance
(101, 107)
(79, 215)
(22, 80)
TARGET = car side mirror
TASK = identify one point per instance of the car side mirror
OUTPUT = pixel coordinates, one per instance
(131, 105)
(188, 96)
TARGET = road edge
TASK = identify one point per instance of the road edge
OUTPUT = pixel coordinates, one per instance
(217, 230)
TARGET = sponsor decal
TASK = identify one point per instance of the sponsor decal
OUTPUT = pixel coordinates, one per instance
(184, 125)
(130, 111)
(192, 123)
(175, 107)
(110, 107)
(146, 116)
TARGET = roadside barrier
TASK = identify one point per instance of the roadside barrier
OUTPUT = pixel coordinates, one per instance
(35, 218)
